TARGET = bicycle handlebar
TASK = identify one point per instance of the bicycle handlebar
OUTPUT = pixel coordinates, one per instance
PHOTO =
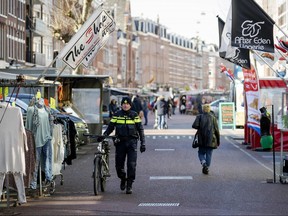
(113, 137)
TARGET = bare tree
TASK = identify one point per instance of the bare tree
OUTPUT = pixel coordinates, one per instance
(68, 16)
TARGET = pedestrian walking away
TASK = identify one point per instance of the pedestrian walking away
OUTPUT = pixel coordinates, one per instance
(136, 105)
(199, 104)
(112, 108)
(160, 106)
(208, 136)
(129, 130)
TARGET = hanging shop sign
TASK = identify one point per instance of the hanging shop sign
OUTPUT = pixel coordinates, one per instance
(90, 36)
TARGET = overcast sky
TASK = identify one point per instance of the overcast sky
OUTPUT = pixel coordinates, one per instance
(188, 18)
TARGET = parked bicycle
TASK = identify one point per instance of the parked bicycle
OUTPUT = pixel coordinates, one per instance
(101, 162)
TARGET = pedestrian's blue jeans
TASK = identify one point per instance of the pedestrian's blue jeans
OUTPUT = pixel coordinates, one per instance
(45, 154)
(205, 154)
(161, 120)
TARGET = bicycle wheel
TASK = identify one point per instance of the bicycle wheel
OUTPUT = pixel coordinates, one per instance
(104, 173)
(97, 175)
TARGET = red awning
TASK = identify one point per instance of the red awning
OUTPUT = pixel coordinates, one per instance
(272, 83)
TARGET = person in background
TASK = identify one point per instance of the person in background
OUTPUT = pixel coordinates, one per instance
(199, 103)
(137, 105)
(208, 136)
(145, 110)
(112, 107)
(169, 107)
(182, 104)
(174, 105)
(266, 139)
(154, 112)
(160, 106)
(128, 129)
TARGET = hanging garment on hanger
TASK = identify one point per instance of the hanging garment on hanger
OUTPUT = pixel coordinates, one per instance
(58, 149)
(30, 159)
(13, 144)
(18, 178)
(72, 134)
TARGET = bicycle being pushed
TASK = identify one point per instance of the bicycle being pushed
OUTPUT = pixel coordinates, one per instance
(101, 162)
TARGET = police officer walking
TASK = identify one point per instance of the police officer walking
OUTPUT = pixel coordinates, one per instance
(128, 129)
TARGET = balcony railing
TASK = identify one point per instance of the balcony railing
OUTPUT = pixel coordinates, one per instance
(38, 26)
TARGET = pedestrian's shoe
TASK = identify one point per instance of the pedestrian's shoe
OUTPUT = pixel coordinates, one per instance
(47, 183)
(33, 193)
(123, 184)
(129, 188)
(205, 169)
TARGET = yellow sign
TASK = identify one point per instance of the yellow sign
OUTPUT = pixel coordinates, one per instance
(38, 94)
(6, 91)
(52, 103)
(3, 91)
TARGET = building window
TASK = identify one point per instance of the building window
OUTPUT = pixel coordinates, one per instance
(281, 20)
(2, 41)
(282, 8)
(142, 26)
(148, 27)
(2, 7)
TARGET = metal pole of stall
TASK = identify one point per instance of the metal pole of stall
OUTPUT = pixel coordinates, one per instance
(273, 146)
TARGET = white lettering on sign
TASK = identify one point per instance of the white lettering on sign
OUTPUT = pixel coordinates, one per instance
(92, 54)
(252, 31)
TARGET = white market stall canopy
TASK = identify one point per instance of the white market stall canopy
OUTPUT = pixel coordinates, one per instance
(8, 79)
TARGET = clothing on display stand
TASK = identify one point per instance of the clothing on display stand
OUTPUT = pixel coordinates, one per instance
(40, 122)
(13, 144)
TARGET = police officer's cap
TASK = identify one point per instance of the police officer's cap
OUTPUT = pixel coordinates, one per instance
(126, 100)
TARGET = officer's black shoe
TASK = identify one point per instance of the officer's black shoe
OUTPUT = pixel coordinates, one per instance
(129, 188)
(123, 184)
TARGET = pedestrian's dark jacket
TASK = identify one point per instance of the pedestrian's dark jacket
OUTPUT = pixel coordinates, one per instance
(137, 105)
(265, 123)
(112, 109)
(127, 124)
(208, 130)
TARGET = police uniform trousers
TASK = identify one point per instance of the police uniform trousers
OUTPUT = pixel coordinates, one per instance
(126, 148)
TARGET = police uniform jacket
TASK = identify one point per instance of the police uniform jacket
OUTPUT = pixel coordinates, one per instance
(127, 124)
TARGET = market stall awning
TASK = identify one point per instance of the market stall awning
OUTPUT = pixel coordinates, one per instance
(8, 79)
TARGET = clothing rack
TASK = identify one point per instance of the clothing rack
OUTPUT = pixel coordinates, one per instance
(15, 164)
(18, 81)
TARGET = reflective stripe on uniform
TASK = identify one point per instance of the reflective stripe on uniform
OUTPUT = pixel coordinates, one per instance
(123, 120)
(137, 119)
